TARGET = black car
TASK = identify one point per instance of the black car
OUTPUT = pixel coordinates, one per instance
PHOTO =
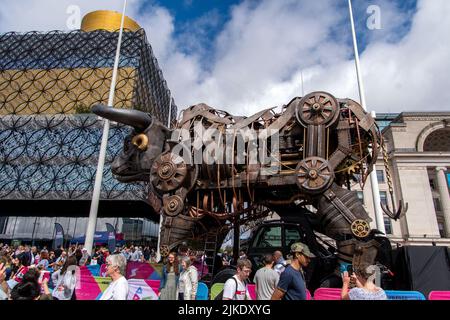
(279, 235)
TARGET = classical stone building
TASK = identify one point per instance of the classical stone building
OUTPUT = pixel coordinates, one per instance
(418, 150)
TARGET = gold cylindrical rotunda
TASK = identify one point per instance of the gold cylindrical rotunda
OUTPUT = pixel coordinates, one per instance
(107, 20)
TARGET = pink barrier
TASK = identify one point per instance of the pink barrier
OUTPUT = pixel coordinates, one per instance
(327, 294)
(252, 291)
(439, 295)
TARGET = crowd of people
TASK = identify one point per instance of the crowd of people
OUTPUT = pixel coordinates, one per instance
(28, 274)
(281, 279)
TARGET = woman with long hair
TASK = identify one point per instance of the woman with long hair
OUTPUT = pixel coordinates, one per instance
(21, 264)
(170, 276)
(65, 280)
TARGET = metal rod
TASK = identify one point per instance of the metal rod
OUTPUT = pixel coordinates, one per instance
(379, 218)
(92, 222)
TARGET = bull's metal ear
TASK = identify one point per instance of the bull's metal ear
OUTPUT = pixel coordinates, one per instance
(137, 119)
(140, 141)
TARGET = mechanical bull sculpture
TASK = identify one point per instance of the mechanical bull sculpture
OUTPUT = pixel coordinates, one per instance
(315, 146)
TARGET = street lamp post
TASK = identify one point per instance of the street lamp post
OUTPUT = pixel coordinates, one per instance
(92, 222)
(379, 218)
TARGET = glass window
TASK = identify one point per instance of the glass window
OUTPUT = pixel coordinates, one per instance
(383, 197)
(360, 196)
(432, 186)
(441, 230)
(437, 204)
(268, 237)
(387, 225)
(3, 224)
(291, 235)
(380, 176)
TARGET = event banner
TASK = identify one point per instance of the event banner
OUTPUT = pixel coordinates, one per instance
(141, 270)
(59, 236)
(111, 237)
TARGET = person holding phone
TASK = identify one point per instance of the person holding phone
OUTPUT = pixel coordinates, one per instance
(365, 289)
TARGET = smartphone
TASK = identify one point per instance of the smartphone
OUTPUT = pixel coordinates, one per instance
(350, 269)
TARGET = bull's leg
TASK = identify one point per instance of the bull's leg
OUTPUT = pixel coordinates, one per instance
(184, 228)
(344, 219)
(175, 230)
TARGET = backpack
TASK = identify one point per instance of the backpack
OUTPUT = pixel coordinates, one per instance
(220, 295)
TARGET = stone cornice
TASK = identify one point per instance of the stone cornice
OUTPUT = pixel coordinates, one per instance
(402, 153)
(421, 116)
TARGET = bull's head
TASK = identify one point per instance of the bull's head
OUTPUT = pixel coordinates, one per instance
(140, 149)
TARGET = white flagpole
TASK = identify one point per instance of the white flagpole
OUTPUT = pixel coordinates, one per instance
(379, 218)
(92, 222)
(158, 249)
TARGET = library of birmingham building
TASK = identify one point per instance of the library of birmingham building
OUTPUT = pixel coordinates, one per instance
(49, 140)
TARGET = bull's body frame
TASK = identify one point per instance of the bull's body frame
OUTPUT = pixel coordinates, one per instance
(323, 144)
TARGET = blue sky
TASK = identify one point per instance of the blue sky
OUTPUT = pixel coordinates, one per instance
(206, 18)
(245, 55)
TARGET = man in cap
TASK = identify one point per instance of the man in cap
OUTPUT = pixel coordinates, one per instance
(85, 258)
(292, 284)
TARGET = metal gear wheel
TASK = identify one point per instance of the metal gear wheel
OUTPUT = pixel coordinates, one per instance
(314, 174)
(360, 228)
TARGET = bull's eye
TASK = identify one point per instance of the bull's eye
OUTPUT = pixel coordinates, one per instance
(140, 141)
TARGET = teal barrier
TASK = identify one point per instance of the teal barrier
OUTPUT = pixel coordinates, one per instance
(202, 291)
(404, 295)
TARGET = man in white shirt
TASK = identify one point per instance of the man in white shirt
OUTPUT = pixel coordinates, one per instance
(118, 288)
(235, 288)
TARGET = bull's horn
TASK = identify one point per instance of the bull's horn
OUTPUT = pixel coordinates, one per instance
(137, 119)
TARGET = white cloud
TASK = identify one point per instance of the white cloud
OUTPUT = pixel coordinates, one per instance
(257, 57)
(261, 51)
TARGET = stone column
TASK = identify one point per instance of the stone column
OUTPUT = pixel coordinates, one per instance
(444, 198)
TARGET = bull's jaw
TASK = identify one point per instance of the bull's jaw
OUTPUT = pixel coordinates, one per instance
(126, 178)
